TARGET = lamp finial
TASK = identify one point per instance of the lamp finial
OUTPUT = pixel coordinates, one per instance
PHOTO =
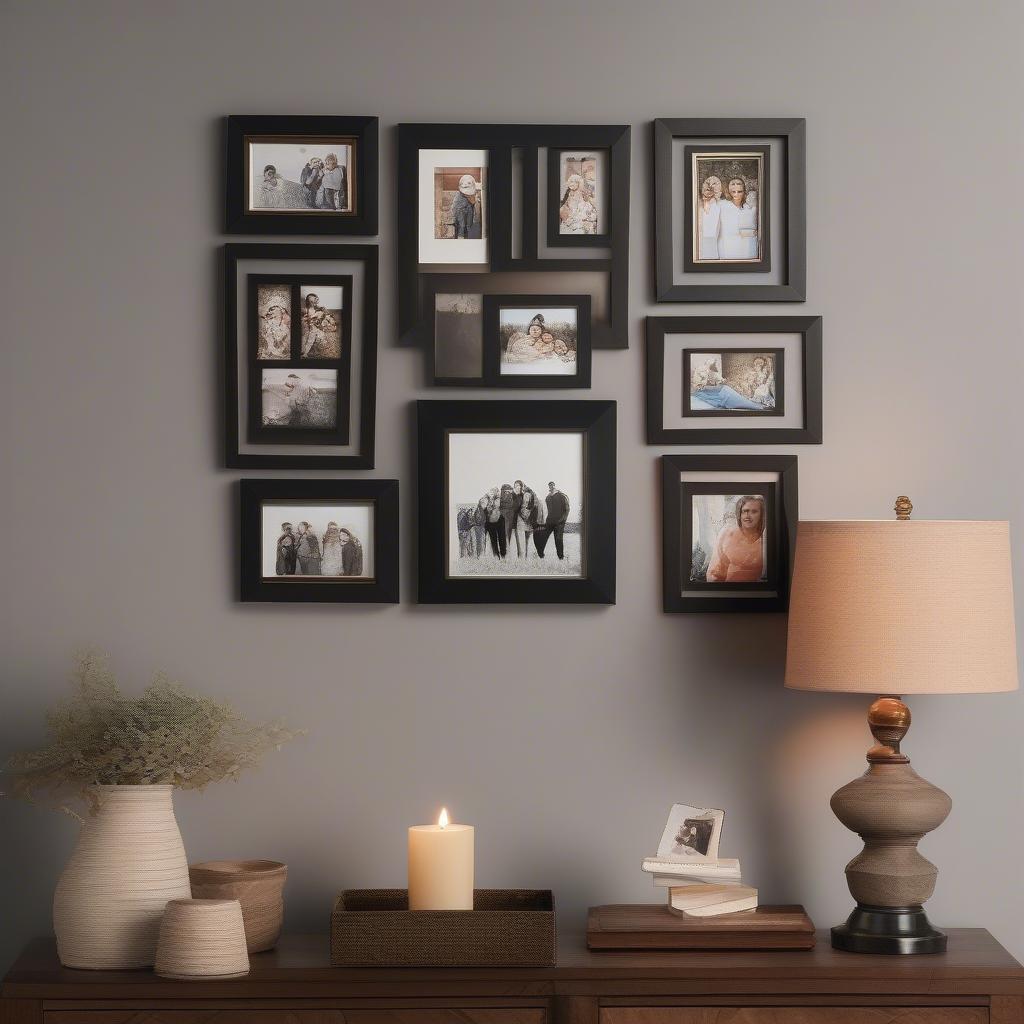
(903, 507)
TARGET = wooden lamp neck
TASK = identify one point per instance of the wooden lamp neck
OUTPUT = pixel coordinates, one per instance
(889, 720)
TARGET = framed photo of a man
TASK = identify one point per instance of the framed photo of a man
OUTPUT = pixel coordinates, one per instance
(729, 531)
(517, 502)
(302, 175)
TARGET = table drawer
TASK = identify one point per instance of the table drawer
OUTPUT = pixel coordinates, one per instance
(298, 1015)
(796, 1015)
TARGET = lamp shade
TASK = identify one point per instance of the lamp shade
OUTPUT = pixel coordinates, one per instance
(896, 607)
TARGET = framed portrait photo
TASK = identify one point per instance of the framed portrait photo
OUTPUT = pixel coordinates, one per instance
(729, 532)
(452, 206)
(319, 540)
(730, 209)
(302, 175)
(734, 380)
(517, 502)
(579, 193)
(300, 355)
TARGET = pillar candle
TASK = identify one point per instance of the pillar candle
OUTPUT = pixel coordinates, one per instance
(441, 866)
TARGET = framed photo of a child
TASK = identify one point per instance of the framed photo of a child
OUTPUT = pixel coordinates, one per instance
(302, 175)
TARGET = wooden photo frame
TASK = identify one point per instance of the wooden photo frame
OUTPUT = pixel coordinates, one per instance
(728, 532)
(324, 519)
(789, 411)
(536, 476)
(279, 175)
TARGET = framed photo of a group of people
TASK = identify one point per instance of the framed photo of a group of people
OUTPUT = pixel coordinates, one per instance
(730, 209)
(501, 200)
(729, 532)
(734, 380)
(319, 540)
(516, 502)
(300, 175)
(300, 355)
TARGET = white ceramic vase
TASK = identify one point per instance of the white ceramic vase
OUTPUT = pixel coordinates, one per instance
(128, 863)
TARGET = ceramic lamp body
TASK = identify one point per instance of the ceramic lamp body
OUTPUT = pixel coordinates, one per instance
(128, 862)
(441, 867)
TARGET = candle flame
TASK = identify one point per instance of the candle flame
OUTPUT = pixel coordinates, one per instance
(442, 821)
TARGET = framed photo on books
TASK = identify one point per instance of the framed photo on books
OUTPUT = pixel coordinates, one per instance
(517, 502)
(734, 380)
(300, 175)
(729, 532)
(319, 540)
(730, 209)
(300, 356)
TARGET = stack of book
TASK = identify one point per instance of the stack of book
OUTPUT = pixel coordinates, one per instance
(702, 888)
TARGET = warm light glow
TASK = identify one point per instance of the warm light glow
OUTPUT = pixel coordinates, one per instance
(442, 821)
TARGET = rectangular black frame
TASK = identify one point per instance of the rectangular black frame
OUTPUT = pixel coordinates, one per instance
(674, 491)
(809, 327)
(793, 133)
(764, 264)
(233, 252)
(500, 140)
(362, 222)
(339, 434)
(596, 420)
(555, 238)
(382, 589)
(779, 409)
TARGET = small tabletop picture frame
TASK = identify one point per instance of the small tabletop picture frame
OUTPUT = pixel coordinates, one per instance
(301, 175)
(319, 541)
(730, 209)
(728, 532)
(516, 502)
(734, 380)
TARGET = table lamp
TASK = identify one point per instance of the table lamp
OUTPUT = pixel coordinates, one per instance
(898, 607)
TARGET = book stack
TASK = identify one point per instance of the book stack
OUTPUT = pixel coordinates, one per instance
(687, 867)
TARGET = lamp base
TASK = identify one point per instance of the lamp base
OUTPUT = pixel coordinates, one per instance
(888, 930)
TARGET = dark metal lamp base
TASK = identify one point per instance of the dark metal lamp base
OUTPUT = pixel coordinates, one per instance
(888, 930)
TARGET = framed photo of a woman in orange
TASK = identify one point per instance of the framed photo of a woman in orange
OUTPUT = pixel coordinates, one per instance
(730, 537)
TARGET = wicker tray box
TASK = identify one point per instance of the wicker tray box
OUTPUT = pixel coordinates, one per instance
(505, 928)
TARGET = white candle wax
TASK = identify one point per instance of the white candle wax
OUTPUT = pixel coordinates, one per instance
(441, 866)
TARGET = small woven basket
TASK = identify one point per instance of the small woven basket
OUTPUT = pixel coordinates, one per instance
(202, 939)
(258, 885)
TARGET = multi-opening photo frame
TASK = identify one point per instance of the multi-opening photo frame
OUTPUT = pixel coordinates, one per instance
(516, 502)
(300, 355)
(299, 175)
(729, 532)
(734, 380)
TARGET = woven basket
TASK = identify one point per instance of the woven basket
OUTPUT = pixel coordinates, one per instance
(202, 939)
(258, 885)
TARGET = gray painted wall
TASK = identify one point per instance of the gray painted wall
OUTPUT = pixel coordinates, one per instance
(562, 734)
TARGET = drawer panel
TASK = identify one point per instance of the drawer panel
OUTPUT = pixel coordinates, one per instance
(468, 1015)
(795, 1015)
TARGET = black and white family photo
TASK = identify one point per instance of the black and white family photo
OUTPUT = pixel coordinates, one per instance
(300, 398)
(296, 177)
(320, 311)
(317, 540)
(515, 504)
(538, 341)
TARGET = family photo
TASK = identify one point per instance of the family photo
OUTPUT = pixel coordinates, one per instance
(580, 194)
(301, 177)
(515, 504)
(300, 398)
(538, 341)
(729, 539)
(316, 540)
(458, 202)
(319, 327)
(728, 226)
(731, 381)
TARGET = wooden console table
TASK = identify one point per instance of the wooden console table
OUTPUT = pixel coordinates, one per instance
(975, 982)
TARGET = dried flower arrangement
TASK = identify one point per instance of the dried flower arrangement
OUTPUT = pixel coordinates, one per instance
(163, 736)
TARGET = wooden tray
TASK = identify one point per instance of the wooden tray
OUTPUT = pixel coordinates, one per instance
(654, 926)
(505, 928)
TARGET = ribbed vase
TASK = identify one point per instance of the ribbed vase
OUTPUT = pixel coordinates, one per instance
(128, 863)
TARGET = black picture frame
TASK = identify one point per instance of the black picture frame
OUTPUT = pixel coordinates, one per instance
(509, 146)
(679, 593)
(792, 134)
(810, 330)
(339, 434)
(596, 420)
(555, 238)
(234, 253)
(362, 130)
(762, 265)
(779, 363)
(381, 589)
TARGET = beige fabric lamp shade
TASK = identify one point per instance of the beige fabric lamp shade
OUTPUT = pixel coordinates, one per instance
(902, 607)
